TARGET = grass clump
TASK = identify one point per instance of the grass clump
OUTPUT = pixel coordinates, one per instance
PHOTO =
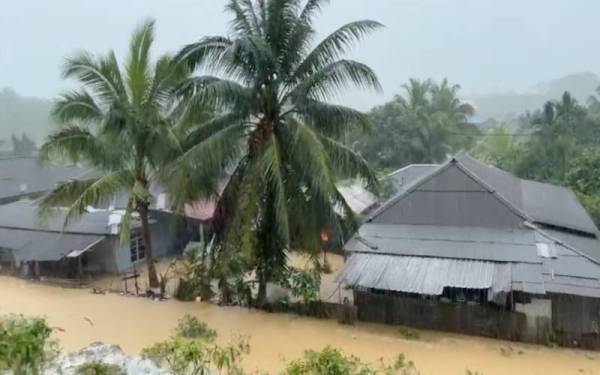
(189, 327)
(409, 334)
(99, 368)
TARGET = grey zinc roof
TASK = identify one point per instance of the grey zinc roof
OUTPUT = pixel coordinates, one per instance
(44, 246)
(406, 176)
(19, 176)
(532, 201)
(448, 242)
(544, 203)
(24, 215)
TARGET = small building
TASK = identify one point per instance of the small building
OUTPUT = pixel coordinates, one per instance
(43, 247)
(469, 248)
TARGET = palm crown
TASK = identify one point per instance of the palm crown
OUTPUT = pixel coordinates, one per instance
(270, 90)
(119, 122)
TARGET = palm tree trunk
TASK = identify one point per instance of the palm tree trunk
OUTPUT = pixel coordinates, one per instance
(261, 298)
(152, 277)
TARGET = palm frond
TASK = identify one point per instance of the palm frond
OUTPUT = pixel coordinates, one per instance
(138, 64)
(100, 76)
(76, 143)
(335, 78)
(207, 53)
(272, 166)
(77, 106)
(332, 119)
(77, 195)
(349, 164)
(335, 46)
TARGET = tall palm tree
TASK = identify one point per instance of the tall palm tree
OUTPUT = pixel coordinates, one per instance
(119, 122)
(275, 128)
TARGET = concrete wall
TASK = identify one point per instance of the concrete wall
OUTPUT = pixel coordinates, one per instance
(539, 318)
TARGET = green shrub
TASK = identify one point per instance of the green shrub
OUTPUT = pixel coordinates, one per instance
(98, 368)
(25, 344)
(197, 357)
(409, 333)
(305, 284)
(190, 327)
(331, 361)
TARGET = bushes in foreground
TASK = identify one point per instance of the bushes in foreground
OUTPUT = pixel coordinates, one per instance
(25, 345)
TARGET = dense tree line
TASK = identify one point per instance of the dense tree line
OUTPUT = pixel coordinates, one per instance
(425, 124)
(559, 143)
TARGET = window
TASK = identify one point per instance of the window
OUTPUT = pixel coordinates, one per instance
(137, 248)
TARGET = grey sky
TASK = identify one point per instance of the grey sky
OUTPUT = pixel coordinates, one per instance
(485, 45)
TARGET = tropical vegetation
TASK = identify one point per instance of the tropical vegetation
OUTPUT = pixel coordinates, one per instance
(120, 122)
(274, 132)
(424, 125)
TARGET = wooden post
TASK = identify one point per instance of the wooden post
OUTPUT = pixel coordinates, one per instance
(80, 266)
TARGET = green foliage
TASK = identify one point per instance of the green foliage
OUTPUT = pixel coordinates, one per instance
(331, 361)
(124, 122)
(25, 344)
(424, 125)
(305, 284)
(409, 333)
(98, 368)
(194, 275)
(197, 356)
(277, 130)
(500, 148)
(190, 327)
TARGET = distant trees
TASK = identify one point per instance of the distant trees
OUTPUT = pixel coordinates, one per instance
(20, 146)
(424, 125)
(559, 144)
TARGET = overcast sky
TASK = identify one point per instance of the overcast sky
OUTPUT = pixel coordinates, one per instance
(485, 45)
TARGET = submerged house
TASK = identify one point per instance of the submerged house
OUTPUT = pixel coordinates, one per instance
(43, 247)
(467, 247)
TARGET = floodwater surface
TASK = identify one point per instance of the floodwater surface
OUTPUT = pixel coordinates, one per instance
(134, 323)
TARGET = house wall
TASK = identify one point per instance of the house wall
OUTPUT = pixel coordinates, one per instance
(473, 319)
(564, 319)
(576, 320)
(101, 258)
(168, 239)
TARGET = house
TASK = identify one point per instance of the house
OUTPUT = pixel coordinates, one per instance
(43, 247)
(26, 177)
(467, 247)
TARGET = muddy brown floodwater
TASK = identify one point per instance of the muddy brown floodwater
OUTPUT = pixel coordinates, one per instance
(134, 323)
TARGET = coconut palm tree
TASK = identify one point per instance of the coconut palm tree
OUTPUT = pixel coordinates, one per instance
(119, 122)
(276, 130)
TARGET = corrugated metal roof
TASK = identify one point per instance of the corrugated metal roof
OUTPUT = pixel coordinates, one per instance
(545, 203)
(357, 197)
(24, 215)
(20, 176)
(447, 242)
(532, 201)
(26, 245)
(421, 275)
(405, 177)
